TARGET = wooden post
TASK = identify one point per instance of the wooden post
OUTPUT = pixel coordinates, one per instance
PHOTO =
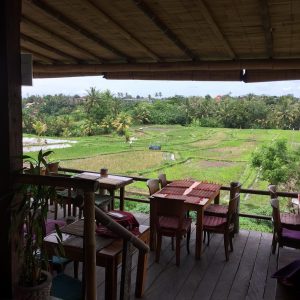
(89, 247)
(10, 133)
(126, 270)
(234, 190)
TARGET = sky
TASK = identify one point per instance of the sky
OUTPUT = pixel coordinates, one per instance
(80, 85)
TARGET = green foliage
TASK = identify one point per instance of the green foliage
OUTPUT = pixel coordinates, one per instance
(122, 123)
(249, 111)
(30, 217)
(39, 127)
(276, 164)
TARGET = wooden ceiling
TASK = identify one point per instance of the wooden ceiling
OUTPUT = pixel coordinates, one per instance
(236, 40)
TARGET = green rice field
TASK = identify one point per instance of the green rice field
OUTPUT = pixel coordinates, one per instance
(213, 154)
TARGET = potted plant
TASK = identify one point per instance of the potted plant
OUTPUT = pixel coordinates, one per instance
(29, 218)
(52, 166)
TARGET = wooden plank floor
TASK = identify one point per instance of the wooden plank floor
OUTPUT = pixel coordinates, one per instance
(247, 274)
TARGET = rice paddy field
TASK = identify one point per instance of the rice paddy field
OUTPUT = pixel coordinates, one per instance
(213, 154)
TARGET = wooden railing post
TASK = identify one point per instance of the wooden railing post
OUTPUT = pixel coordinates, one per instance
(126, 270)
(234, 190)
(89, 246)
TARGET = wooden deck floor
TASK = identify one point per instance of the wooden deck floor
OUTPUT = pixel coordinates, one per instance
(247, 274)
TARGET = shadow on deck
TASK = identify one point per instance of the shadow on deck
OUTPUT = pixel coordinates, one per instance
(247, 274)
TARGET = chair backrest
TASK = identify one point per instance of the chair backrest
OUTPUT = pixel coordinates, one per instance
(276, 215)
(163, 180)
(153, 186)
(273, 191)
(232, 209)
(164, 207)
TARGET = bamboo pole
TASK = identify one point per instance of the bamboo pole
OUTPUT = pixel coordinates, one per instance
(89, 247)
(120, 230)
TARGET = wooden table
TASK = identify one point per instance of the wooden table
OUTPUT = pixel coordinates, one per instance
(108, 257)
(195, 199)
(110, 182)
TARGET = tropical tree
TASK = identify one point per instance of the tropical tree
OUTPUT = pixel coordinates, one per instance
(122, 123)
(107, 124)
(275, 162)
(39, 127)
(142, 112)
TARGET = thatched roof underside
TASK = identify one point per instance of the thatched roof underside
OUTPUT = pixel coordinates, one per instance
(246, 40)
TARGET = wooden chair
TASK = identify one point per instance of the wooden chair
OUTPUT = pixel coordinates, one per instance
(221, 210)
(287, 220)
(223, 225)
(153, 186)
(162, 180)
(282, 236)
(170, 220)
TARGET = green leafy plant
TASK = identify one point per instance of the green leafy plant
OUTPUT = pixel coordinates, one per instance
(30, 218)
(275, 162)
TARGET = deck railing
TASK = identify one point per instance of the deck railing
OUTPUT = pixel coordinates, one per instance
(224, 188)
(90, 212)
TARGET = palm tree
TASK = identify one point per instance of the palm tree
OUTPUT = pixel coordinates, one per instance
(39, 128)
(122, 123)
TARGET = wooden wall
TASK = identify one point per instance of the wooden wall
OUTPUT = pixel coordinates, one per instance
(10, 131)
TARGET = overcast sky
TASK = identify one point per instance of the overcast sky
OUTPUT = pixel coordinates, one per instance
(79, 85)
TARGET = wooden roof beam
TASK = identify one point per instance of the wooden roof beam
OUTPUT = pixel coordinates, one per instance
(54, 14)
(38, 55)
(40, 44)
(215, 28)
(164, 29)
(58, 37)
(104, 16)
(267, 27)
(248, 64)
(185, 75)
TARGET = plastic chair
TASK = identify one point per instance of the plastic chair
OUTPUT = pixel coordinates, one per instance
(170, 220)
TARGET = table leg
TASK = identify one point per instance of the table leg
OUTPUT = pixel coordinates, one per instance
(112, 204)
(141, 274)
(199, 233)
(122, 192)
(111, 280)
(217, 199)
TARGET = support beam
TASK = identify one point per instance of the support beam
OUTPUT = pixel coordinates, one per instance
(270, 75)
(59, 17)
(40, 44)
(183, 75)
(38, 55)
(215, 28)
(164, 29)
(267, 27)
(105, 17)
(257, 64)
(10, 134)
(61, 39)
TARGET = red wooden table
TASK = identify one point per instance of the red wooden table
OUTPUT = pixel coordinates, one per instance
(196, 195)
(109, 182)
